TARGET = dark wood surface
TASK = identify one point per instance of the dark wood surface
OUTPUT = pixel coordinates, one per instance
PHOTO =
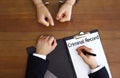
(19, 29)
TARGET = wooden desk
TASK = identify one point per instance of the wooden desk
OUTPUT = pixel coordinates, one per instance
(19, 29)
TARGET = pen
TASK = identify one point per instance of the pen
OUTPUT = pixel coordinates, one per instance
(85, 52)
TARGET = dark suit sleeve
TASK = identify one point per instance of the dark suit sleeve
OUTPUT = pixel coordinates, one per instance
(102, 73)
(36, 67)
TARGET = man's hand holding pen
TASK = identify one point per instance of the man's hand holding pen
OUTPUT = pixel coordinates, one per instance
(88, 57)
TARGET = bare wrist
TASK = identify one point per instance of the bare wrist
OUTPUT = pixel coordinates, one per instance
(39, 4)
(41, 53)
(93, 66)
(70, 2)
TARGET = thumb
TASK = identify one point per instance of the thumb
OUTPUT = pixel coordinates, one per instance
(54, 43)
(50, 19)
(60, 15)
(44, 22)
(65, 18)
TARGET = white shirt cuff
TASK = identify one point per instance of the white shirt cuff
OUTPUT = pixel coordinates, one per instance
(40, 56)
(96, 69)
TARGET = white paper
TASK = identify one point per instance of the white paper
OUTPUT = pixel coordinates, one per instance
(81, 69)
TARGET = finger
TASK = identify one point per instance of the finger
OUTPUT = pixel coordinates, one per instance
(41, 36)
(50, 40)
(47, 37)
(60, 15)
(82, 55)
(54, 43)
(50, 20)
(65, 18)
(43, 21)
(87, 49)
(78, 49)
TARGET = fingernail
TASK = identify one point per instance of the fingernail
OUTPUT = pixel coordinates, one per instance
(47, 25)
(58, 18)
(52, 24)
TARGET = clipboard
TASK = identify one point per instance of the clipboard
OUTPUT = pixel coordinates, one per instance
(92, 40)
(61, 64)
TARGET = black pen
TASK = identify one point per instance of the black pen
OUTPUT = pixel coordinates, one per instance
(85, 52)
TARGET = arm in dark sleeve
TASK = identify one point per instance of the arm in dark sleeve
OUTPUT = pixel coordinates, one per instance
(36, 67)
(102, 73)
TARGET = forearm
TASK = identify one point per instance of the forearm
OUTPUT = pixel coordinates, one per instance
(38, 2)
(72, 2)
